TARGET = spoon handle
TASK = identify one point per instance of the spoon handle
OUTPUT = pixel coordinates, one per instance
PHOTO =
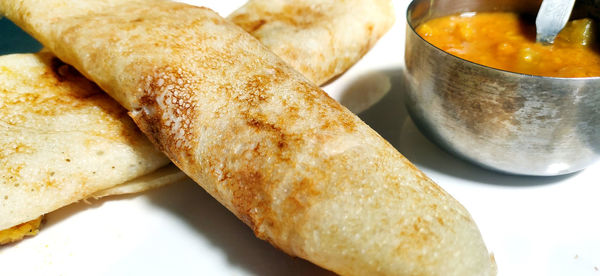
(551, 19)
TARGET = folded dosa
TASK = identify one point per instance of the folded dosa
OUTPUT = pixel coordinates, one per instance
(61, 139)
(319, 38)
(302, 171)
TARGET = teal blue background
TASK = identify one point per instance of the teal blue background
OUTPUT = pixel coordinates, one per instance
(14, 40)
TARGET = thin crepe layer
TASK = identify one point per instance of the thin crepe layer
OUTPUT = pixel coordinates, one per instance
(163, 176)
(302, 171)
(319, 38)
(61, 139)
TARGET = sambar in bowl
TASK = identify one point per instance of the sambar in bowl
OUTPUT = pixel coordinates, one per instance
(483, 89)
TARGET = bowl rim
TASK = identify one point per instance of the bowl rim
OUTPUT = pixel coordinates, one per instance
(412, 28)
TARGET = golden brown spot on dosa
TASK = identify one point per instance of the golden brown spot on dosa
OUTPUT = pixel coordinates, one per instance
(166, 110)
(294, 15)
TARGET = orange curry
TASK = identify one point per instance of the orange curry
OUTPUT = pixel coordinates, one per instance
(507, 41)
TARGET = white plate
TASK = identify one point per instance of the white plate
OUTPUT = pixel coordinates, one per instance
(533, 225)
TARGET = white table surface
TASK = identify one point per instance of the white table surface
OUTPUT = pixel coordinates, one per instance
(533, 225)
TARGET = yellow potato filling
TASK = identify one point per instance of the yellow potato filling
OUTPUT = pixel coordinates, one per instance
(18, 232)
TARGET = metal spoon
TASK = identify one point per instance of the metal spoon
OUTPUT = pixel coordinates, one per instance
(551, 19)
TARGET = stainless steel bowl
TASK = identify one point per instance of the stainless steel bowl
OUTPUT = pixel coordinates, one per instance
(509, 122)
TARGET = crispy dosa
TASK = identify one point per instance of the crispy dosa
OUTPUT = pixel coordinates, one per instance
(301, 170)
(62, 139)
(319, 38)
(170, 173)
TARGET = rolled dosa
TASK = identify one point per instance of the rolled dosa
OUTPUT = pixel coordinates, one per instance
(170, 173)
(319, 38)
(301, 170)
